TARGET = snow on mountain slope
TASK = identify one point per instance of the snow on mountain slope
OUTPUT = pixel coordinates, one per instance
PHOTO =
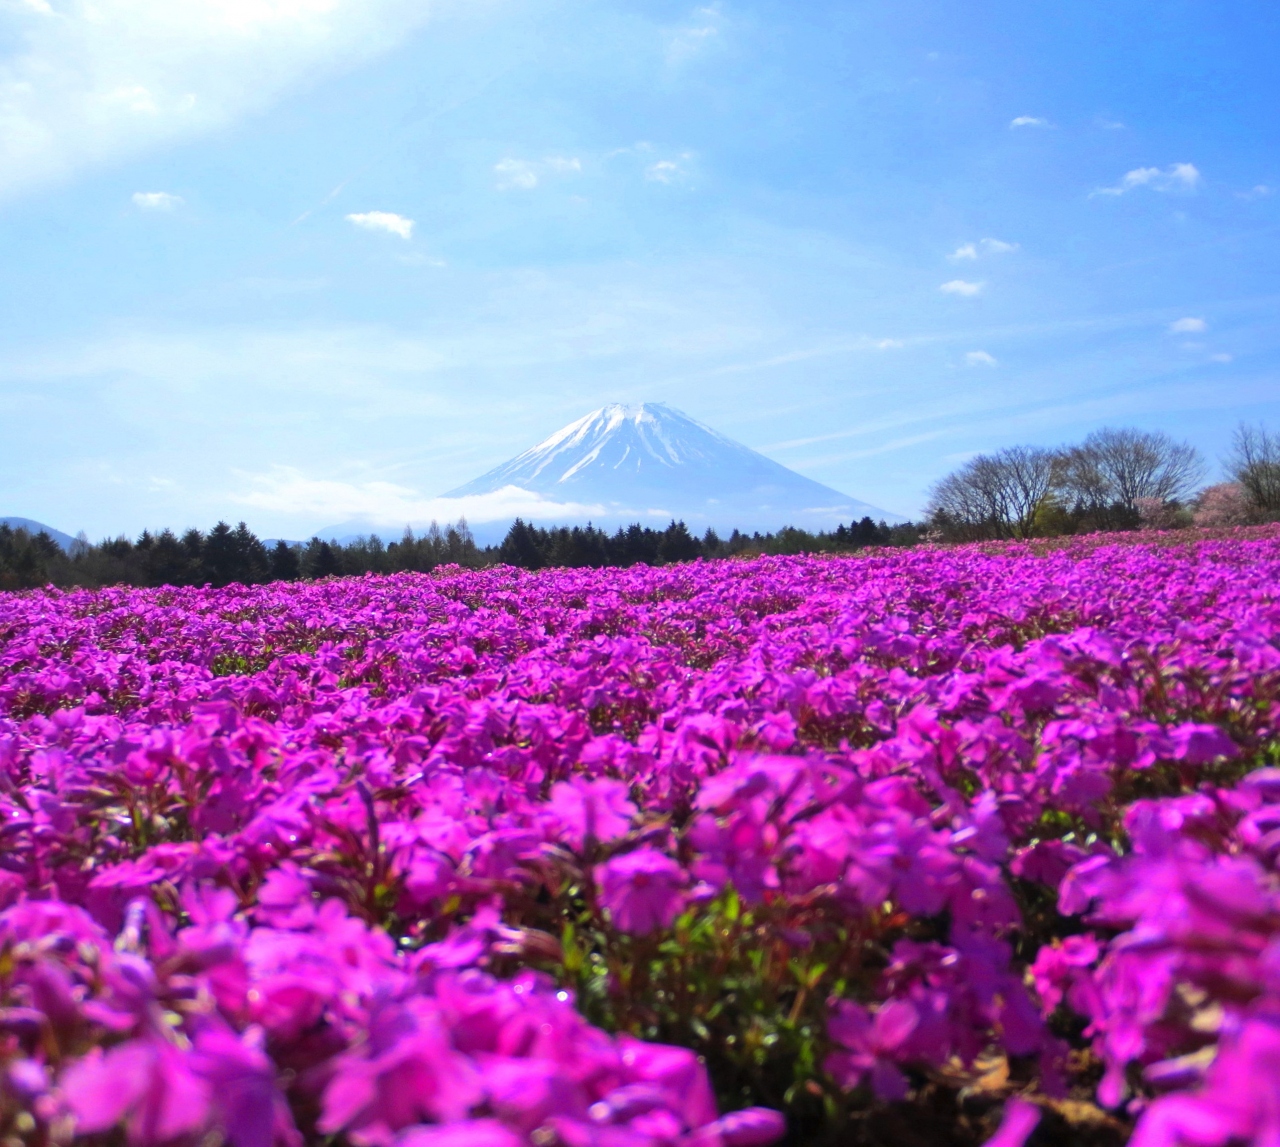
(650, 462)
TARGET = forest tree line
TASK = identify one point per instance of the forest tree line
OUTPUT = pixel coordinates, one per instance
(225, 554)
(1114, 480)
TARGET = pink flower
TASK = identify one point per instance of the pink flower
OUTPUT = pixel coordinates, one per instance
(869, 1045)
(413, 1073)
(242, 1080)
(754, 1127)
(147, 1083)
(584, 810)
(642, 890)
(1020, 1119)
(469, 1133)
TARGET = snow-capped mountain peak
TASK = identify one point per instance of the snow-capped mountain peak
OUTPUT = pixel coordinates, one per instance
(648, 460)
(616, 437)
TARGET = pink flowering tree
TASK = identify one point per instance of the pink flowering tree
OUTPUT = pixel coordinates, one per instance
(1223, 506)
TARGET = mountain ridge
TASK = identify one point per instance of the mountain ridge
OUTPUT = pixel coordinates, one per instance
(34, 527)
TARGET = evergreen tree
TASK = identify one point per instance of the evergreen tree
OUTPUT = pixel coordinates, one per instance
(252, 564)
(319, 559)
(284, 562)
(193, 551)
(167, 561)
(220, 562)
(520, 547)
(677, 544)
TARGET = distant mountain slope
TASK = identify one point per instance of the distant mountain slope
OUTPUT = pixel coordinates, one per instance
(650, 461)
(34, 527)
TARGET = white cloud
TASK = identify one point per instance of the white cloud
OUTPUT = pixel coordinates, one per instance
(669, 170)
(998, 246)
(1188, 326)
(1109, 124)
(657, 167)
(516, 173)
(387, 221)
(1175, 177)
(983, 247)
(287, 490)
(1260, 191)
(1029, 121)
(526, 174)
(1221, 357)
(695, 35)
(960, 287)
(99, 80)
(980, 358)
(156, 200)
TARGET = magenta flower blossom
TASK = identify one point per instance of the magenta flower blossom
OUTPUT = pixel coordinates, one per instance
(870, 1045)
(468, 1133)
(413, 1074)
(582, 810)
(752, 1127)
(643, 890)
(1020, 1119)
(147, 1084)
(287, 854)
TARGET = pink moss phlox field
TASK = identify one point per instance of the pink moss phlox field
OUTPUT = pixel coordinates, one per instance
(419, 861)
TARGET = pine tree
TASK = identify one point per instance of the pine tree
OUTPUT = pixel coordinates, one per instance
(284, 562)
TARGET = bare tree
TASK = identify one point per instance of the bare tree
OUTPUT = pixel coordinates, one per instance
(1115, 468)
(1254, 463)
(994, 495)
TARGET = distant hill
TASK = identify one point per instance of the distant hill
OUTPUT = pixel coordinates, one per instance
(34, 527)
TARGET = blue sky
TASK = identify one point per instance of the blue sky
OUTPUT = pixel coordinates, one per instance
(297, 261)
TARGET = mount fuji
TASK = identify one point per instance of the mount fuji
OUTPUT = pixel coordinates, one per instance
(650, 462)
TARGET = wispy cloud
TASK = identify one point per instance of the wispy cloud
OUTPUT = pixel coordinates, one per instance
(983, 247)
(387, 221)
(980, 358)
(1222, 357)
(695, 34)
(96, 82)
(657, 165)
(1188, 326)
(1029, 121)
(1183, 177)
(526, 174)
(156, 201)
(1259, 191)
(962, 288)
(669, 170)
